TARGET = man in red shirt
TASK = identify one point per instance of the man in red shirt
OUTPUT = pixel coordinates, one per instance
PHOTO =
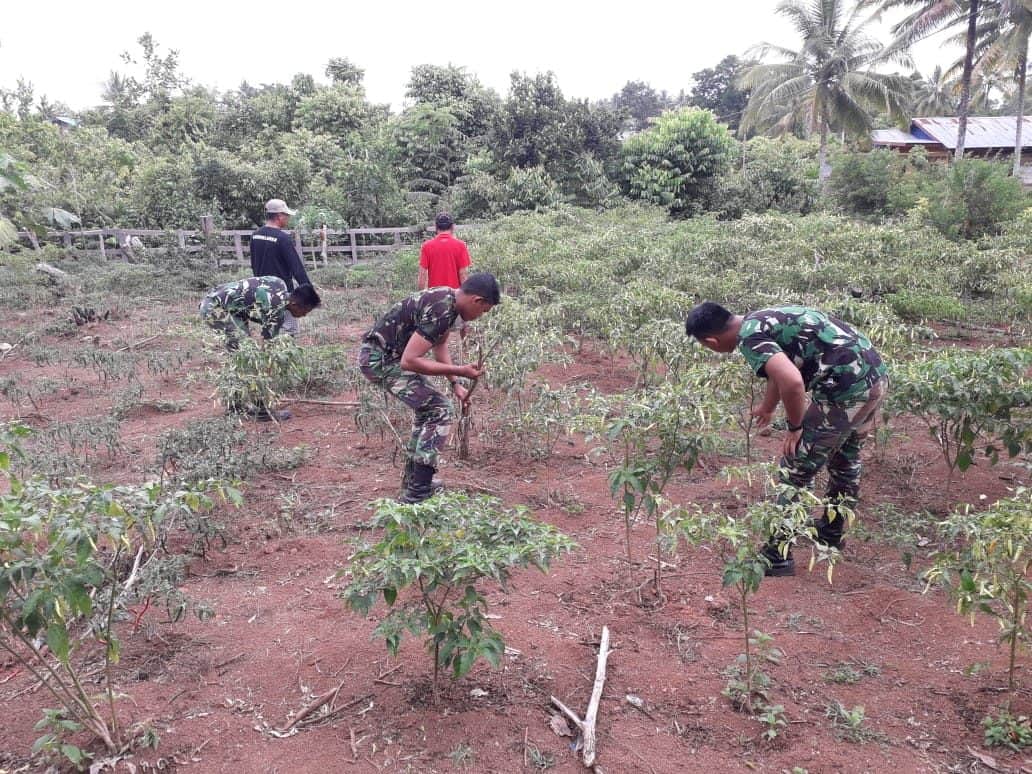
(443, 260)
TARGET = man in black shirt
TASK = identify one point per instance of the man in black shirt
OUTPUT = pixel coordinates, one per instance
(273, 254)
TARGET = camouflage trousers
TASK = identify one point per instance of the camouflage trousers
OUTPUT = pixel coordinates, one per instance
(433, 411)
(833, 436)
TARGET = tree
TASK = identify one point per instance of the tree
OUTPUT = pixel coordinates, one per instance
(829, 81)
(715, 89)
(677, 161)
(339, 111)
(1003, 44)
(934, 95)
(931, 16)
(343, 72)
(476, 106)
(640, 102)
(431, 146)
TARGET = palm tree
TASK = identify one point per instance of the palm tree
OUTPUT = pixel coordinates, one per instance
(1002, 44)
(935, 95)
(931, 16)
(827, 81)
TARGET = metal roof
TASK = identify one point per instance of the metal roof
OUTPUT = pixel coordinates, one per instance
(897, 137)
(982, 131)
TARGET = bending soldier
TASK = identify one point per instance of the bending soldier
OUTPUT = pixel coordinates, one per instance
(800, 350)
(394, 358)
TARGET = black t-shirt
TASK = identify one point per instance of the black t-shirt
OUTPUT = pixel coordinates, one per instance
(273, 255)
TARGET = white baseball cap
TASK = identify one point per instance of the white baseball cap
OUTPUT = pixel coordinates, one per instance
(276, 206)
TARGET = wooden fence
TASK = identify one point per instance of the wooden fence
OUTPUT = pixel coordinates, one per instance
(227, 246)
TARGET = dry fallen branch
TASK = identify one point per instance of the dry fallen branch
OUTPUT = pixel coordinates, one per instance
(342, 403)
(311, 707)
(587, 726)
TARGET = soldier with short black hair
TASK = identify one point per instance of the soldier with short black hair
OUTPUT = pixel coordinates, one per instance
(231, 307)
(393, 356)
(798, 351)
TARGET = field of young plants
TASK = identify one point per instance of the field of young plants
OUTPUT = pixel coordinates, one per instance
(181, 591)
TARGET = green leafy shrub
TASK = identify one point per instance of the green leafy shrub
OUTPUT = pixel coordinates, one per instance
(676, 162)
(259, 373)
(427, 567)
(873, 184)
(967, 399)
(977, 198)
(915, 306)
(987, 571)
(778, 175)
(68, 575)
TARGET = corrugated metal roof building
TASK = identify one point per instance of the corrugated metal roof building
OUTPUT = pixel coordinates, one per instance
(986, 135)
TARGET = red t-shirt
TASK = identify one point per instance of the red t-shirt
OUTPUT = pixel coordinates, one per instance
(443, 257)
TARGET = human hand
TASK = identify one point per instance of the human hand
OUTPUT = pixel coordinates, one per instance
(460, 392)
(791, 443)
(470, 372)
(762, 416)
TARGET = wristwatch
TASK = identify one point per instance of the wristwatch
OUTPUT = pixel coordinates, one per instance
(793, 428)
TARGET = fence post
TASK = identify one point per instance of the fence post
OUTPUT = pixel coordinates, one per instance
(181, 238)
(103, 250)
(207, 230)
(354, 245)
(66, 238)
(238, 248)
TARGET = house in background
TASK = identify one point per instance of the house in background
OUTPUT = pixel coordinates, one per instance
(987, 137)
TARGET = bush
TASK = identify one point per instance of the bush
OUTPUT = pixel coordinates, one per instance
(439, 551)
(776, 174)
(916, 306)
(676, 162)
(977, 198)
(882, 183)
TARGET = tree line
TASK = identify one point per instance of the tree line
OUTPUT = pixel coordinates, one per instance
(160, 150)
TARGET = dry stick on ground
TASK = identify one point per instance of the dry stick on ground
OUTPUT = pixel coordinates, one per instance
(587, 726)
(342, 403)
(138, 344)
(311, 707)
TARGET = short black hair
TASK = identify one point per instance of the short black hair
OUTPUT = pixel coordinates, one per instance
(305, 295)
(484, 285)
(443, 221)
(707, 319)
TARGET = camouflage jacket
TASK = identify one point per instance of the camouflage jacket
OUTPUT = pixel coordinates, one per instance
(430, 313)
(262, 300)
(837, 362)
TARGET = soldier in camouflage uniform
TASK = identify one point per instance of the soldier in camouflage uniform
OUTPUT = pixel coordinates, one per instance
(230, 307)
(800, 350)
(393, 356)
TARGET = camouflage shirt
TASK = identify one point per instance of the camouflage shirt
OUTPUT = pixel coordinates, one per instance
(430, 313)
(262, 300)
(837, 362)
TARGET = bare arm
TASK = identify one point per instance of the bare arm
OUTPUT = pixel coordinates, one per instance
(424, 278)
(782, 372)
(463, 273)
(414, 359)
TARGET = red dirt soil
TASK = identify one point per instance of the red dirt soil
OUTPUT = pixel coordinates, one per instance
(280, 636)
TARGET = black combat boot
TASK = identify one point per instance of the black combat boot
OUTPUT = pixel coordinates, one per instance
(419, 486)
(832, 524)
(778, 566)
(830, 531)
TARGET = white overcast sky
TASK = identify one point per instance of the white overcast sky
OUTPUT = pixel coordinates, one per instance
(66, 49)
